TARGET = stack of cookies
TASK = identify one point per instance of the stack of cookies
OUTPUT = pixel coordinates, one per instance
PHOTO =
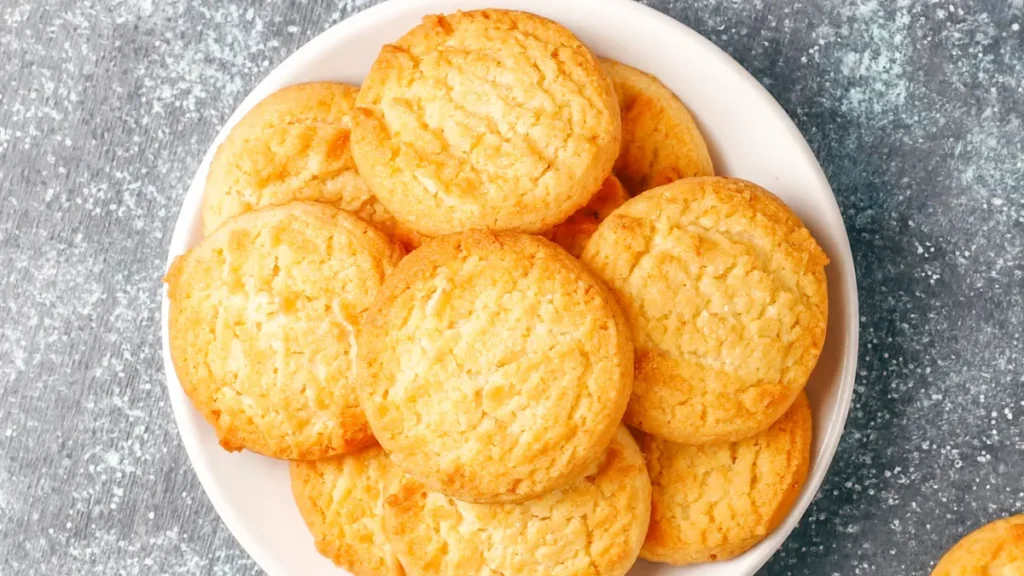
(446, 294)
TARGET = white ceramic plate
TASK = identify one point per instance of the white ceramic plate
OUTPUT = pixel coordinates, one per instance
(750, 137)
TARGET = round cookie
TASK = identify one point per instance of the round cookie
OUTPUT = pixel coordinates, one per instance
(492, 367)
(574, 232)
(293, 145)
(725, 290)
(996, 549)
(716, 501)
(341, 500)
(491, 119)
(595, 526)
(262, 323)
(660, 141)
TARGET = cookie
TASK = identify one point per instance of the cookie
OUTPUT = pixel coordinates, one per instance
(716, 501)
(492, 367)
(574, 232)
(660, 141)
(491, 119)
(995, 549)
(341, 500)
(725, 290)
(294, 145)
(595, 526)
(262, 323)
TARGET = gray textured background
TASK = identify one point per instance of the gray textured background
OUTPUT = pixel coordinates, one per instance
(913, 107)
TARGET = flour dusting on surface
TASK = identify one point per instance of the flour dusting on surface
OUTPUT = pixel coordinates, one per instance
(914, 108)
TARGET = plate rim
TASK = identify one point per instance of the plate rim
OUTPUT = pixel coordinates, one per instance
(191, 203)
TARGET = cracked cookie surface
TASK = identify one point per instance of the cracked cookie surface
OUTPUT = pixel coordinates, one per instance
(293, 145)
(996, 549)
(262, 324)
(660, 140)
(493, 367)
(716, 501)
(341, 500)
(725, 290)
(593, 527)
(490, 119)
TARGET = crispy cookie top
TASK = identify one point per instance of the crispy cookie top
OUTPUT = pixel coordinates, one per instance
(262, 325)
(660, 140)
(493, 367)
(725, 290)
(486, 119)
(293, 145)
(593, 527)
(341, 500)
(714, 502)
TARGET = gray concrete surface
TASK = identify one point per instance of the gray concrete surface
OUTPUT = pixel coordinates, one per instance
(913, 107)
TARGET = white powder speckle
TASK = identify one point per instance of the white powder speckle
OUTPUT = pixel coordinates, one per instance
(910, 106)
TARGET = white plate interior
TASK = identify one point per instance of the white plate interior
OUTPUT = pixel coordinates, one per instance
(750, 137)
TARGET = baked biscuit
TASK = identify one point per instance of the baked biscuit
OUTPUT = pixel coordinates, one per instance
(574, 232)
(660, 141)
(716, 501)
(262, 323)
(595, 526)
(491, 119)
(492, 367)
(725, 290)
(341, 500)
(294, 145)
(993, 550)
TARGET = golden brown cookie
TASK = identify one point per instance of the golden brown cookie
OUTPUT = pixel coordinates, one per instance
(725, 290)
(716, 501)
(993, 550)
(341, 500)
(660, 141)
(490, 119)
(492, 367)
(294, 145)
(574, 232)
(593, 527)
(262, 323)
